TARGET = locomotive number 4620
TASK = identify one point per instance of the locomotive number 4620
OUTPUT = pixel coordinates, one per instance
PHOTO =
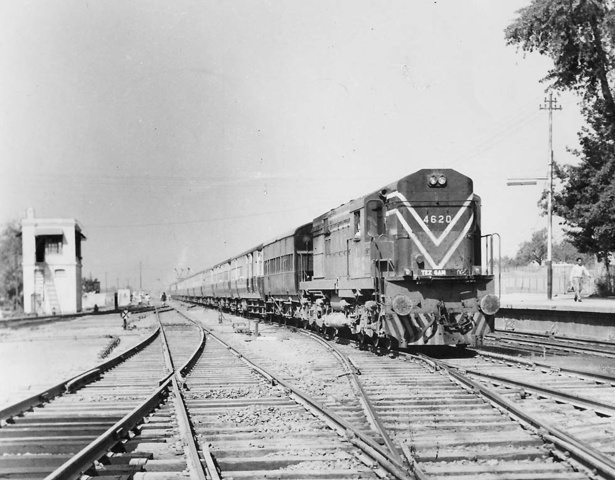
(437, 219)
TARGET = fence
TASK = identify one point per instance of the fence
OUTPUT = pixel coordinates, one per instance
(534, 279)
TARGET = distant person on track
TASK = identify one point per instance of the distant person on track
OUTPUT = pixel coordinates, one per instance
(578, 273)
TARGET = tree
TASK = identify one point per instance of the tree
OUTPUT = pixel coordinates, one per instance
(11, 273)
(565, 252)
(579, 36)
(534, 250)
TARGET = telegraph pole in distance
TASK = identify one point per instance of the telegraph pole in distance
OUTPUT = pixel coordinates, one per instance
(550, 105)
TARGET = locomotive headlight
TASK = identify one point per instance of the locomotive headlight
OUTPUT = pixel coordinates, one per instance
(437, 180)
(490, 304)
(402, 305)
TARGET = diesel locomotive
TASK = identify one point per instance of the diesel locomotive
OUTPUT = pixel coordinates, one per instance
(401, 266)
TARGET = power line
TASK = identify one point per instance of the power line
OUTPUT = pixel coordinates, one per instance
(205, 220)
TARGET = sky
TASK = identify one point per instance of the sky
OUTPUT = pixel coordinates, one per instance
(182, 133)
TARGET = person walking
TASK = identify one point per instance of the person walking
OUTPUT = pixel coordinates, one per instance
(577, 274)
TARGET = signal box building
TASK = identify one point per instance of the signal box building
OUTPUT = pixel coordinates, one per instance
(51, 265)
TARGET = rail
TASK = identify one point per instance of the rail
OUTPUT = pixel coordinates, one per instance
(184, 425)
(504, 337)
(74, 468)
(576, 400)
(367, 405)
(73, 383)
(82, 461)
(369, 446)
(584, 454)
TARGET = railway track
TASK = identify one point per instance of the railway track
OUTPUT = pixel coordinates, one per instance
(541, 344)
(448, 426)
(580, 403)
(128, 419)
(119, 420)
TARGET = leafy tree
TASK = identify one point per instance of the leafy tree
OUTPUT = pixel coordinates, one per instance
(11, 273)
(566, 252)
(534, 249)
(579, 36)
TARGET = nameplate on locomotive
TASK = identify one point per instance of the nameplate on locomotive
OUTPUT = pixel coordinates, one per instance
(444, 272)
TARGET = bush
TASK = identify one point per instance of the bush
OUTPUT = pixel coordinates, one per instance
(604, 288)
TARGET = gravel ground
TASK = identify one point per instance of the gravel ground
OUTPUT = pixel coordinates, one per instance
(306, 364)
(39, 357)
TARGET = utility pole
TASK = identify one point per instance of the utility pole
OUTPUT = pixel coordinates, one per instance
(550, 105)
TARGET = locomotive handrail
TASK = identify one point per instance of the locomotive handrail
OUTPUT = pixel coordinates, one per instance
(490, 237)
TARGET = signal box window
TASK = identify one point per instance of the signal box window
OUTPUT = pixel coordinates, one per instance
(53, 245)
(48, 245)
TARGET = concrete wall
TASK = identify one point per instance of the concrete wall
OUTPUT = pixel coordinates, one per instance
(571, 323)
(91, 299)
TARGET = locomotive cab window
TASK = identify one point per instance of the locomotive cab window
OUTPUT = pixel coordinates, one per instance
(356, 233)
(375, 217)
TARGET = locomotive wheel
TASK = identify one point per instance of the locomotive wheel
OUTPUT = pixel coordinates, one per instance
(364, 339)
(330, 332)
(383, 343)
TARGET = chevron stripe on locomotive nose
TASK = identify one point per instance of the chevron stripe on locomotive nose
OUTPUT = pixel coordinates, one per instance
(440, 242)
(412, 327)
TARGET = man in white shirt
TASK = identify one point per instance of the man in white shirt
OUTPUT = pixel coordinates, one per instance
(576, 277)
